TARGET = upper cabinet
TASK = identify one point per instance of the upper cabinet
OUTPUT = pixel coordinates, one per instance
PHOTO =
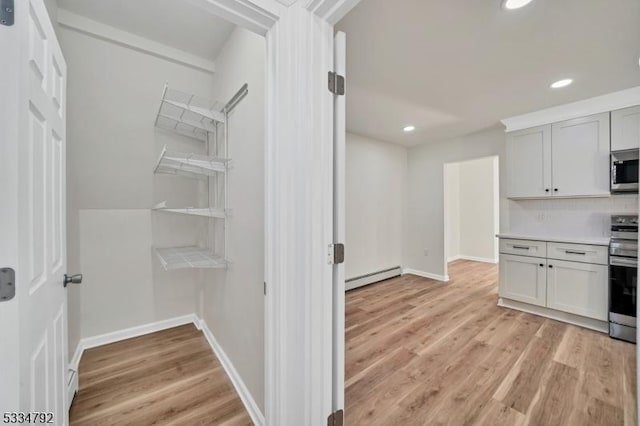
(625, 129)
(565, 159)
(580, 156)
(529, 162)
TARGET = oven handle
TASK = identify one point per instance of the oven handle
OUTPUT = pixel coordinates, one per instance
(623, 261)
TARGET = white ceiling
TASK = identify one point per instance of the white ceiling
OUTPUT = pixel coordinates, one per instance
(175, 23)
(457, 66)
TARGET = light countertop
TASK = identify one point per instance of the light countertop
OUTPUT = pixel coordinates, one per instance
(596, 241)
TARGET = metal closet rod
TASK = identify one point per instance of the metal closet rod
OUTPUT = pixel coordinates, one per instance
(244, 90)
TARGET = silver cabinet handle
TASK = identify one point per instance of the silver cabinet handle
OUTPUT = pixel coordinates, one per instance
(521, 247)
(582, 253)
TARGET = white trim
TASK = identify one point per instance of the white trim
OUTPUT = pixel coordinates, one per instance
(101, 31)
(605, 103)
(332, 10)
(247, 399)
(258, 16)
(590, 323)
(374, 277)
(128, 333)
(472, 258)
(443, 278)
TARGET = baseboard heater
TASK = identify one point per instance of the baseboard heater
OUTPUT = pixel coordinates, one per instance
(373, 277)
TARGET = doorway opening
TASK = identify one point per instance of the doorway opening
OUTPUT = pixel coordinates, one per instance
(471, 210)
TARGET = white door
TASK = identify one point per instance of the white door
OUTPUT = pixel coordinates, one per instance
(34, 331)
(339, 226)
(523, 279)
(529, 163)
(578, 288)
(625, 129)
(580, 151)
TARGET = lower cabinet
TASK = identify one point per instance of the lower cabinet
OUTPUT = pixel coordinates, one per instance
(523, 279)
(556, 281)
(578, 288)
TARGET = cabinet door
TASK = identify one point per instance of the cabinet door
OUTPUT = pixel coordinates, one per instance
(625, 129)
(523, 278)
(580, 156)
(578, 288)
(529, 163)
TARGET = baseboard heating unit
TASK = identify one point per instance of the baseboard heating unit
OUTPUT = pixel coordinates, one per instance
(373, 277)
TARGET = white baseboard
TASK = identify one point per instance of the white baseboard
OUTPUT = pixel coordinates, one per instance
(423, 274)
(454, 258)
(590, 323)
(249, 403)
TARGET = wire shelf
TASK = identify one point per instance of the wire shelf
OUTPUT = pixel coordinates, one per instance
(190, 165)
(188, 114)
(192, 211)
(189, 257)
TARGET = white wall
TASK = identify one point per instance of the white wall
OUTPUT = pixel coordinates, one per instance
(425, 215)
(478, 189)
(112, 146)
(376, 182)
(452, 210)
(233, 300)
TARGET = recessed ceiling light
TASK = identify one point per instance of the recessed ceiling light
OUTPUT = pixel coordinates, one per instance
(409, 128)
(515, 4)
(561, 83)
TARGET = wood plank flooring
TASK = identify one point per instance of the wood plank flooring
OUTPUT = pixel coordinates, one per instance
(422, 352)
(171, 378)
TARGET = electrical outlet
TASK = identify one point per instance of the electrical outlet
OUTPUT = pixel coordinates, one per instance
(426, 252)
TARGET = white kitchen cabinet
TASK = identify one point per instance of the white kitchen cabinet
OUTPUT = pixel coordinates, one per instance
(523, 279)
(580, 156)
(529, 163)
(625, 129)
(578, 288)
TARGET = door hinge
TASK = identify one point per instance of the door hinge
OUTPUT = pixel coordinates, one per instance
(7, 284)
(336, 419)
(336, 83)
(7, 12)
(336, 253)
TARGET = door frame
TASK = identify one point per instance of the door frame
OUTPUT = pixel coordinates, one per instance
(298, 199)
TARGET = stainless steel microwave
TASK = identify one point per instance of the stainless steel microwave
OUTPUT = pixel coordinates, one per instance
(624, 170)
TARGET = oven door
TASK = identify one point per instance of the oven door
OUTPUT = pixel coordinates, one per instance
(623, 283)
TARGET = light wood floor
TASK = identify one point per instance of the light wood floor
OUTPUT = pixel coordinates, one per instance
(421, 352)
(170, 378)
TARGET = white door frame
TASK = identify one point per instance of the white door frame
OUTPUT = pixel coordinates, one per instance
(298, 200)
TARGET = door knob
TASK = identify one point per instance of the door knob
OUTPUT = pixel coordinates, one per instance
(72, 279)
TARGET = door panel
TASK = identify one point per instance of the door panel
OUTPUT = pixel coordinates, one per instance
(625, 129)
(36, 137)
(578, 288)
(581, 149)
(529, 162)
(523, 279)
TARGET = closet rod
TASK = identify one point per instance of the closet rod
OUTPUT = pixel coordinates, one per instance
(244, 90)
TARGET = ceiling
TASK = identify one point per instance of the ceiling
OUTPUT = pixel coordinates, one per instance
(458, 66)
(174, 23)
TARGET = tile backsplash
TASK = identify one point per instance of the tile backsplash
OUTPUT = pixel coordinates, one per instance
(583, 217)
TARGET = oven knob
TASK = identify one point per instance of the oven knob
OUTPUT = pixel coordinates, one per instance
(634, 220)
(620, 220)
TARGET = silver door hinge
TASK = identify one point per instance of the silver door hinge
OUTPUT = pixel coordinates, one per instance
(336, 419)
(6, 12)
(336, 253)
(7, 284)
(336, 83)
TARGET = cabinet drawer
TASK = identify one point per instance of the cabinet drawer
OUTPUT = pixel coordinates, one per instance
(524, 247)
(578, 253)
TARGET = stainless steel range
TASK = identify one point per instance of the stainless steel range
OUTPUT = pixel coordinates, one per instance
(623, 277)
